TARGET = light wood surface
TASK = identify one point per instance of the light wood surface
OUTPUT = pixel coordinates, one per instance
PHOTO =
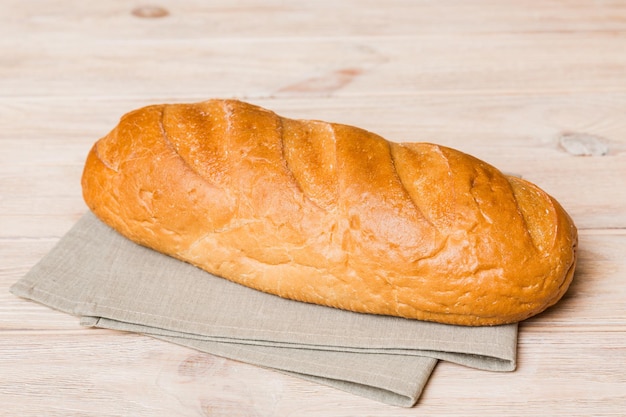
(537, 88)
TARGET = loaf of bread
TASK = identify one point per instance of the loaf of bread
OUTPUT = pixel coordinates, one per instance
(331, 214)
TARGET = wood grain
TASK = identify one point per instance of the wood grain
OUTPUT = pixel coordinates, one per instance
(540, 62)
(506, 81)
(59, 19)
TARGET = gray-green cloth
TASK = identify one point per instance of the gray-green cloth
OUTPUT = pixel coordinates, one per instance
(111, 282)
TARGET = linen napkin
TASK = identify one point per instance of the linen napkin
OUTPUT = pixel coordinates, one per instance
(110, 282)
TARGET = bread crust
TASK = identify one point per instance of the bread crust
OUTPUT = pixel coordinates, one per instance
(332, 214)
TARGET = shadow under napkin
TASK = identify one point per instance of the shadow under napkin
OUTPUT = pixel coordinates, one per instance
(110, 282)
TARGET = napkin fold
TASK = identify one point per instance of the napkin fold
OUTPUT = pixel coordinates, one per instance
(110, 282)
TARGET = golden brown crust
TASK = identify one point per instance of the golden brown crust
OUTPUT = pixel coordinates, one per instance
(332, 214)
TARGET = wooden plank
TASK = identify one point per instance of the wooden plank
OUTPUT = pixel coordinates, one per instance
(559, 374)
(555, 62)
(516, 119)
(304, 19)
(109, 373)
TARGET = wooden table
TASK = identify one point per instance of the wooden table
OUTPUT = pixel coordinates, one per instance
(537, 88)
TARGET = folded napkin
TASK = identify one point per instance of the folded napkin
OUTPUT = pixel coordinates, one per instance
(110, 282)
